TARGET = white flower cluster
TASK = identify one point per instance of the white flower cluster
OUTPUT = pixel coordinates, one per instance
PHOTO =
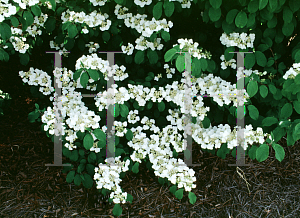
(188, 46)
(38, 77)
(225, 63)
(142, 44)
(93, 19)
(144, 26)
(19, 44)
(108, 177)
(142, 3)
(94, 62)
(18, 38)
(60, 47)
(98, 2)
(209, 138)
(127, 49)
(92, 47)
(169, 71)
(292, 72)
(24, 3)
(132, 117)
(160, 155)
(239, 40)
(6, 10)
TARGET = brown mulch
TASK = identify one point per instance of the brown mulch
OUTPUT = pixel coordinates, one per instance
(30, 189)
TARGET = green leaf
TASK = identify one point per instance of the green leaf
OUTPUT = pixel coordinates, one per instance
(36, 10)
(173, 189)
(252, 88)
(215, 3)
(50, 24)
(117, 211)
(297, 57)
(99, 134)
(169, 8)
(67, 168)
(80, 168)
(14, 21)
(214, 14)
(4, 55)
(74, 155)
(297, 106)
(5, 31)
(231, 15)
(152, 56)
(90, 169)
(32, 116)
(149, 105)
(106, 36)
(180, 63)
(124, 110)
(269, 121)
(77, 180)
(169, 54)
(253, 6)
(135, 167)
(227, 54)
(253, 112)
(241, 19)
(262, 153)
(179, 193)
(294, 5)
(249, 60)
(157, 10)
(139, 57)
(196, 67)
(287, 14)
(129, 135)
(273, 4)
(278, 133)
(70, 176)
(279, 151)
(204, 64)
(24, 58)
(286, 111)
(165, 35)
(252, 152)
(94, 74)
(81, 152)
(272, 89)
(88, 181)
(222, 151)
(84, 78)
(161, 180)
(273, 22)
(262, 4)
(192, 197)
(260, 58)
(288, 29)
(263, 90)
(72, 31)
(53, 3)
(88, 141)
(28, 17)
(161, 106)
(129, 198)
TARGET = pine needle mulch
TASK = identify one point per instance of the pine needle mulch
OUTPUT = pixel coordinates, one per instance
(30, 189)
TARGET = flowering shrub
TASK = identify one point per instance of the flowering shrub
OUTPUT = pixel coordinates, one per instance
(149, 92)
